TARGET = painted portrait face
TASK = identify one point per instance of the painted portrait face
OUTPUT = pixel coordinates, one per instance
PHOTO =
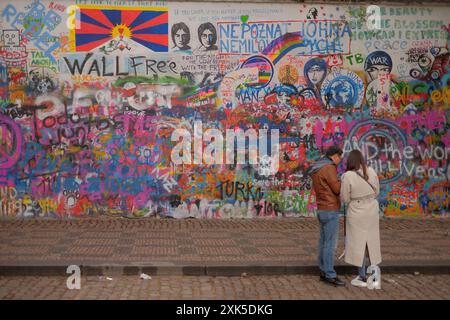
(316, 74)
(378, 63)
(181, 38)
(207, 38)
(11, 38)
(377, 70)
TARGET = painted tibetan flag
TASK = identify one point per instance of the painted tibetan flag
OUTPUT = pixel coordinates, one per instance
(99, 26)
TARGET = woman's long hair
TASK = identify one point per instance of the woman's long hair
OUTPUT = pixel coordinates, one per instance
(355, 161)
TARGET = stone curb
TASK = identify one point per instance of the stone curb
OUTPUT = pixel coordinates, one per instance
(219, 270)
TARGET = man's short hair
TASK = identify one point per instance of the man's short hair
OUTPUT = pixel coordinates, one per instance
(333, 150)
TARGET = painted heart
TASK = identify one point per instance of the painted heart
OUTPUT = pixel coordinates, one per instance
(244, 19)
(121, 30)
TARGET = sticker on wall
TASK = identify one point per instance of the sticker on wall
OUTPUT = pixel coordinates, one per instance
(119, 29)
(342, 89)
(379, 95)
(288, 74)
(265, 68)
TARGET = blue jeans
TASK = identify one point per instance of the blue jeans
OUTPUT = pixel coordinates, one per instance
(329, 228)
(362, 269)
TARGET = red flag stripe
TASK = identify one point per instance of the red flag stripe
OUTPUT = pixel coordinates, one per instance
(128, 16)
(89, 28)
(92, 45)
(97, 15)
(160, 39)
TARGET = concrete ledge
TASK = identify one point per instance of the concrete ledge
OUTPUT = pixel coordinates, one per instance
(218, 270)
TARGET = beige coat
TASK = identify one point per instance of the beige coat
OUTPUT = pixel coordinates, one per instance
(363, 220)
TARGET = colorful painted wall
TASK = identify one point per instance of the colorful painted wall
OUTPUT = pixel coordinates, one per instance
(98, 100)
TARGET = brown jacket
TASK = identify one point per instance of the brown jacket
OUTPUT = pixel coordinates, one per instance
(327, 187)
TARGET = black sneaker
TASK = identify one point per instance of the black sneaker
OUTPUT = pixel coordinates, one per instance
(335, 281)
(322, 276)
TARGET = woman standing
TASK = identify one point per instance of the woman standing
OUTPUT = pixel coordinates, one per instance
(359, 190)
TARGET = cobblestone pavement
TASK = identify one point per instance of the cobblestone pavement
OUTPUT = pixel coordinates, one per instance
(284, 241)
(394, 287)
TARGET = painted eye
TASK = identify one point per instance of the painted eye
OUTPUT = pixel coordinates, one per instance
(435, 75)
(415, 73)
(424, 61)
(435, 51)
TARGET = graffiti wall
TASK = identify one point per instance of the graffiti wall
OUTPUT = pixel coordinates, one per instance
(215, 110)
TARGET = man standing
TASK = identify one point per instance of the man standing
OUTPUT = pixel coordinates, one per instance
(327, 186)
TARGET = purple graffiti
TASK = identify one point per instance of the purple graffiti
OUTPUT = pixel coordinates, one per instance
(10, 142)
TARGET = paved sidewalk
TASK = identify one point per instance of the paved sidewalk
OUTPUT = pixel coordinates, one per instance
(206, 247)
(393, 287)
